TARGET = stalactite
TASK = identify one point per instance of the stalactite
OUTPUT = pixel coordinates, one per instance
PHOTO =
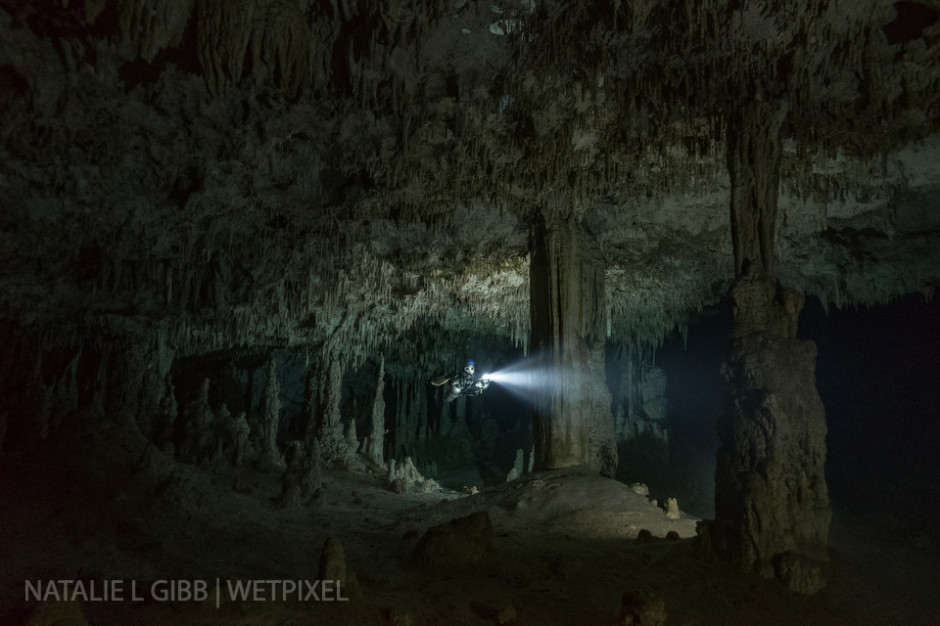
(334, 448)
(374, 444)
(224, 34)
(149, 26)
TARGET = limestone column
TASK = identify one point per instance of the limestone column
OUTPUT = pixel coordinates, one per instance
(771, 500)
(270, 455)
(160, 356)
(572, 423)
(373, 446)
(326, 426)
(124, 371)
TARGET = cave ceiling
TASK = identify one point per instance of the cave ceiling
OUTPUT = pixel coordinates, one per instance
(337, 173)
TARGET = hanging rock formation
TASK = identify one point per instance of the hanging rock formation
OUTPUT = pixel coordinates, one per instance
(572, 423)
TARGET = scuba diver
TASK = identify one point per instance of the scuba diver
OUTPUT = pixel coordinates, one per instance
(463, 383)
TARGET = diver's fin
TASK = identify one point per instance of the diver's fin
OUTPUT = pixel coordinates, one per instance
(440, 380)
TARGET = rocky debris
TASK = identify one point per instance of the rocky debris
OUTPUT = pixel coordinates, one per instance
(404, 477)
(799, 573)
(458, 543)
(642, 608)
(58, 613)
(672, 509)
(641, 489)
(398, 617)
(506, 615)
(333, 567)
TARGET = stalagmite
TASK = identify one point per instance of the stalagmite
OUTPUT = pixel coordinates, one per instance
(572, 422)
(242, 432)
(197, 419)
(167, 410)
(328, 430)
(125, 370)
(373, 446)
(270, 455)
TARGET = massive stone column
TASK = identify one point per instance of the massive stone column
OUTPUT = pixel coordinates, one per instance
(771, 501)
(572, 421)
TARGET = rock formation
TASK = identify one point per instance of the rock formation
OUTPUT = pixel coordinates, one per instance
(197, 427)
(271, 419)
(374, 444)
(771, 499)
(302, 476)
(458, 543)
(572, 423)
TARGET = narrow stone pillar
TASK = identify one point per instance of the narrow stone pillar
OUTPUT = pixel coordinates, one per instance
(771, 500)
(270, 455)
(325, 426)
(572, 423)
(374, 444)
(124, 373)
(160, 356)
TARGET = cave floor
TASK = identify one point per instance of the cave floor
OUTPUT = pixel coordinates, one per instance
(87, 505)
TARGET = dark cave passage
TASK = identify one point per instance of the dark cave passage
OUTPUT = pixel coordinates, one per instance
(878, 371)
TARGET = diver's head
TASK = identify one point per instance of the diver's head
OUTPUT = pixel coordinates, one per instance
(470, 367)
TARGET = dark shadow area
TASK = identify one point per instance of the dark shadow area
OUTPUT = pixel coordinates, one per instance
(696, 398)
(909, 24)
(877, 374)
